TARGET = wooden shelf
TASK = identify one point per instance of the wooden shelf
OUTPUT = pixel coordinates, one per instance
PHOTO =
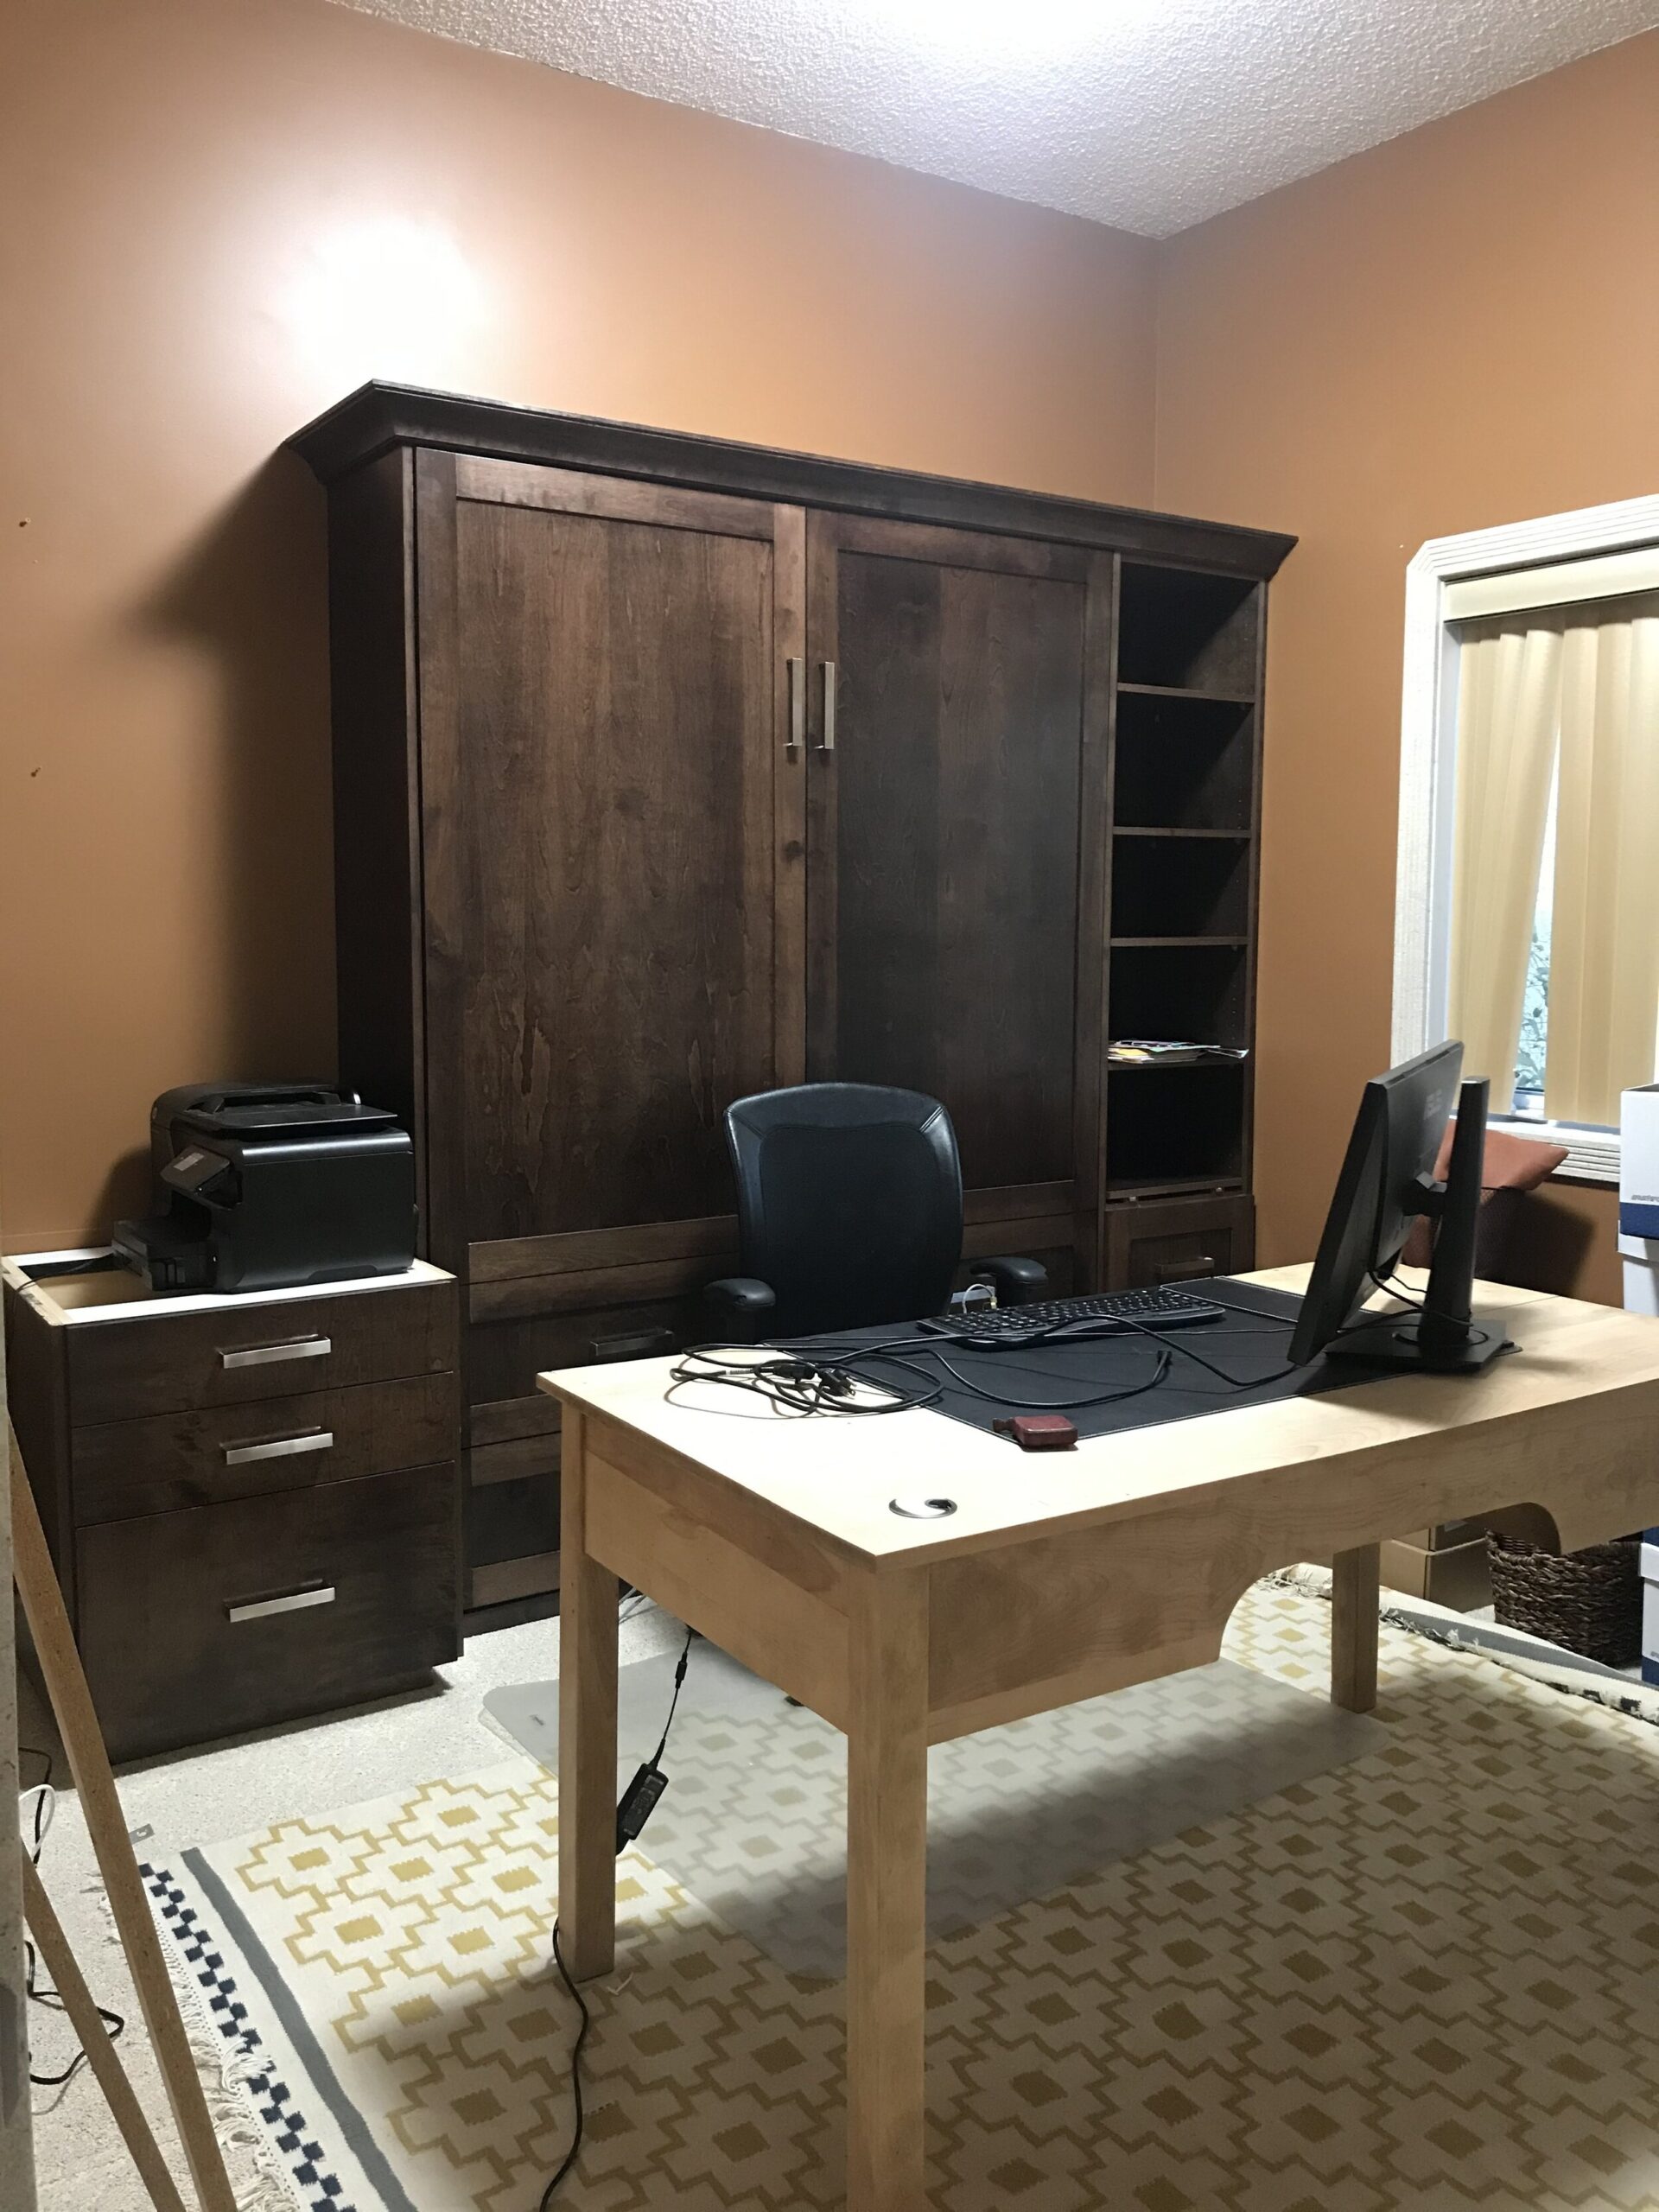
(1188, 691)
(1180, 943)
(1145, 830)
(1168, 1187)
(1171, 1067)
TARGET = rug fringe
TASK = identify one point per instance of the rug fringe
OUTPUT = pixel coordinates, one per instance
(259, 2180)
(1634, 1700)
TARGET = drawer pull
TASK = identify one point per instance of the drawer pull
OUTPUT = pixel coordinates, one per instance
(1185, 1270)
(269, 1355)
(280, 1447)
(292, 1601)
(635, 1344)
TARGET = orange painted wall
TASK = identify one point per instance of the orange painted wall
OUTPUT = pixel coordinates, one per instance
(216, 217)
(1458, 330)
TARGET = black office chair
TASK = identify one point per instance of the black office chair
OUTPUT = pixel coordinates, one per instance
(848, 1212)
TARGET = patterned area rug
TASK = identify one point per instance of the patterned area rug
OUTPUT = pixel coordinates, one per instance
(754, 1823)
(1429, 1978)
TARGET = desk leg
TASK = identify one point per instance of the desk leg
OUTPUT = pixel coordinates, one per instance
(886, 1892)
(1354, 1585)
(588, 1627)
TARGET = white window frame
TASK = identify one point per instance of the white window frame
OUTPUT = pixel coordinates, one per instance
(1422, 907)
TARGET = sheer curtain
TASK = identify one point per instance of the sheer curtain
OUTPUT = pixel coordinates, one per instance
(1604, 976)
(1508, 714)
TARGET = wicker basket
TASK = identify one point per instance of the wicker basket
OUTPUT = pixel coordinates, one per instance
(1589, 1602)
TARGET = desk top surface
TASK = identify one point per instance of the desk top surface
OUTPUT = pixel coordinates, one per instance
(838, 1475)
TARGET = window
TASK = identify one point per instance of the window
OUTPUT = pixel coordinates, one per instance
(1528, 914)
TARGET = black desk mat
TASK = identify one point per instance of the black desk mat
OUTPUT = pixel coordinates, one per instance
(1251, 1347)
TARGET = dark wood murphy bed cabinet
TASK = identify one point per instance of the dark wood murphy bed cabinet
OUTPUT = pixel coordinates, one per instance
(668, 770)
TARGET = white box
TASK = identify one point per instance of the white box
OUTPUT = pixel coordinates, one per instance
(1650, 1632)
(1638, 1174)
(1639, 1197)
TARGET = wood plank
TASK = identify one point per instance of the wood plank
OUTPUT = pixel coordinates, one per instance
(588, 1637)
(501, 1420)
(500, 1581)
(525, 1295)
(172, 1461)
(1566, 1423)
(994, 1240)
(614, 499)
(887, 1894)
(790, 775)
(946, 821)
(95, 2040)
(1018, 1202)
(812, 1561)
(379, 933)
(584, 1249)
(1354, 1587)
(514, 1461)
(381, 414)
(766, 1622)
(100, 1805)
(442, 904)
(616, 690)
(956, 548)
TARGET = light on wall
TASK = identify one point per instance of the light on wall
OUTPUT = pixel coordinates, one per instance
(392, 295)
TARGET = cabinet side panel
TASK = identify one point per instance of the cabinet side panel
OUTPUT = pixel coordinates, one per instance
(37, 1404)
(377, 792)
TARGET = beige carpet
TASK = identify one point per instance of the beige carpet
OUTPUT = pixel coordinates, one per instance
(1427, 1979)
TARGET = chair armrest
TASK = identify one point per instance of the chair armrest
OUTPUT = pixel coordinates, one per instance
(1017, 1281)
(734, 1309)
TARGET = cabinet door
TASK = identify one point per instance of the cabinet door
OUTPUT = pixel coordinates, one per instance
(956, 741)
(612, 846)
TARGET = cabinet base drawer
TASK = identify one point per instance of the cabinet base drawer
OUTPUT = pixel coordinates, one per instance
(224, 1617)
(1179, 1242)
(170, 1462)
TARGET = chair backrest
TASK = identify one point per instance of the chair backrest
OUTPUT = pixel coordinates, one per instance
(849, 1203)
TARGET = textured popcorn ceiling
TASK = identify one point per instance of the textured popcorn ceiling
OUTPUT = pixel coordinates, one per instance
(1148, 114)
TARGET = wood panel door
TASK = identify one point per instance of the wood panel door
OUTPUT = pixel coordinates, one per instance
(958, 688)
(612, 795)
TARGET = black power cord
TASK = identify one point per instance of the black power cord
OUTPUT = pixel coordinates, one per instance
(638, 1801)
(49, 2000)
(791, 1379)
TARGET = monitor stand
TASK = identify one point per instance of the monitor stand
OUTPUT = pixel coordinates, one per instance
(1396, 1340)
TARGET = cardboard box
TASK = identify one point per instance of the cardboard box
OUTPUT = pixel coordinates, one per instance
(1457, 1575)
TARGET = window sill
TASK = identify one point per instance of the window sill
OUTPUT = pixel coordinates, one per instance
(1591, 1154)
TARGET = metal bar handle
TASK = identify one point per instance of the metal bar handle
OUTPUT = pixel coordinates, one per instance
(291, 1601)
(830, 686)
(1185, 1270)
(280, 1447)
(270, 1355)
(797, 737)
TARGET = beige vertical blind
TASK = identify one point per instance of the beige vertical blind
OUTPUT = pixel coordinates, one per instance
(1577, 684)
(1603, 964)
(1509, 714)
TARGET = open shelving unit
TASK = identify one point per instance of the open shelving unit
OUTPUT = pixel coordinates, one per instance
(1184, 822)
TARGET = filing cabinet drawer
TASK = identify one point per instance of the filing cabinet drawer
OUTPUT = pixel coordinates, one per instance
(162, 1363)
(1179, 1242)
(224, 1617)
(171, 1461)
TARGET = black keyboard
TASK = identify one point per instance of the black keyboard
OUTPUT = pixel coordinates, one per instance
(1005, 1328)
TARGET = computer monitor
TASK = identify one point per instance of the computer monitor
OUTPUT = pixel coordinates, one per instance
(1387, 1180)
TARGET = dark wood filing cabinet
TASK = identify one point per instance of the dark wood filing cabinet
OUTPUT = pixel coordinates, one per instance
(668, 770)
(251, 1502)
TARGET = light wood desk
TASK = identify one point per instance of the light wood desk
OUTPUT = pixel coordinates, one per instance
(1057, 1578)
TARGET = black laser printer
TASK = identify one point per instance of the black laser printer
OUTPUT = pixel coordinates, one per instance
(270, 1185)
